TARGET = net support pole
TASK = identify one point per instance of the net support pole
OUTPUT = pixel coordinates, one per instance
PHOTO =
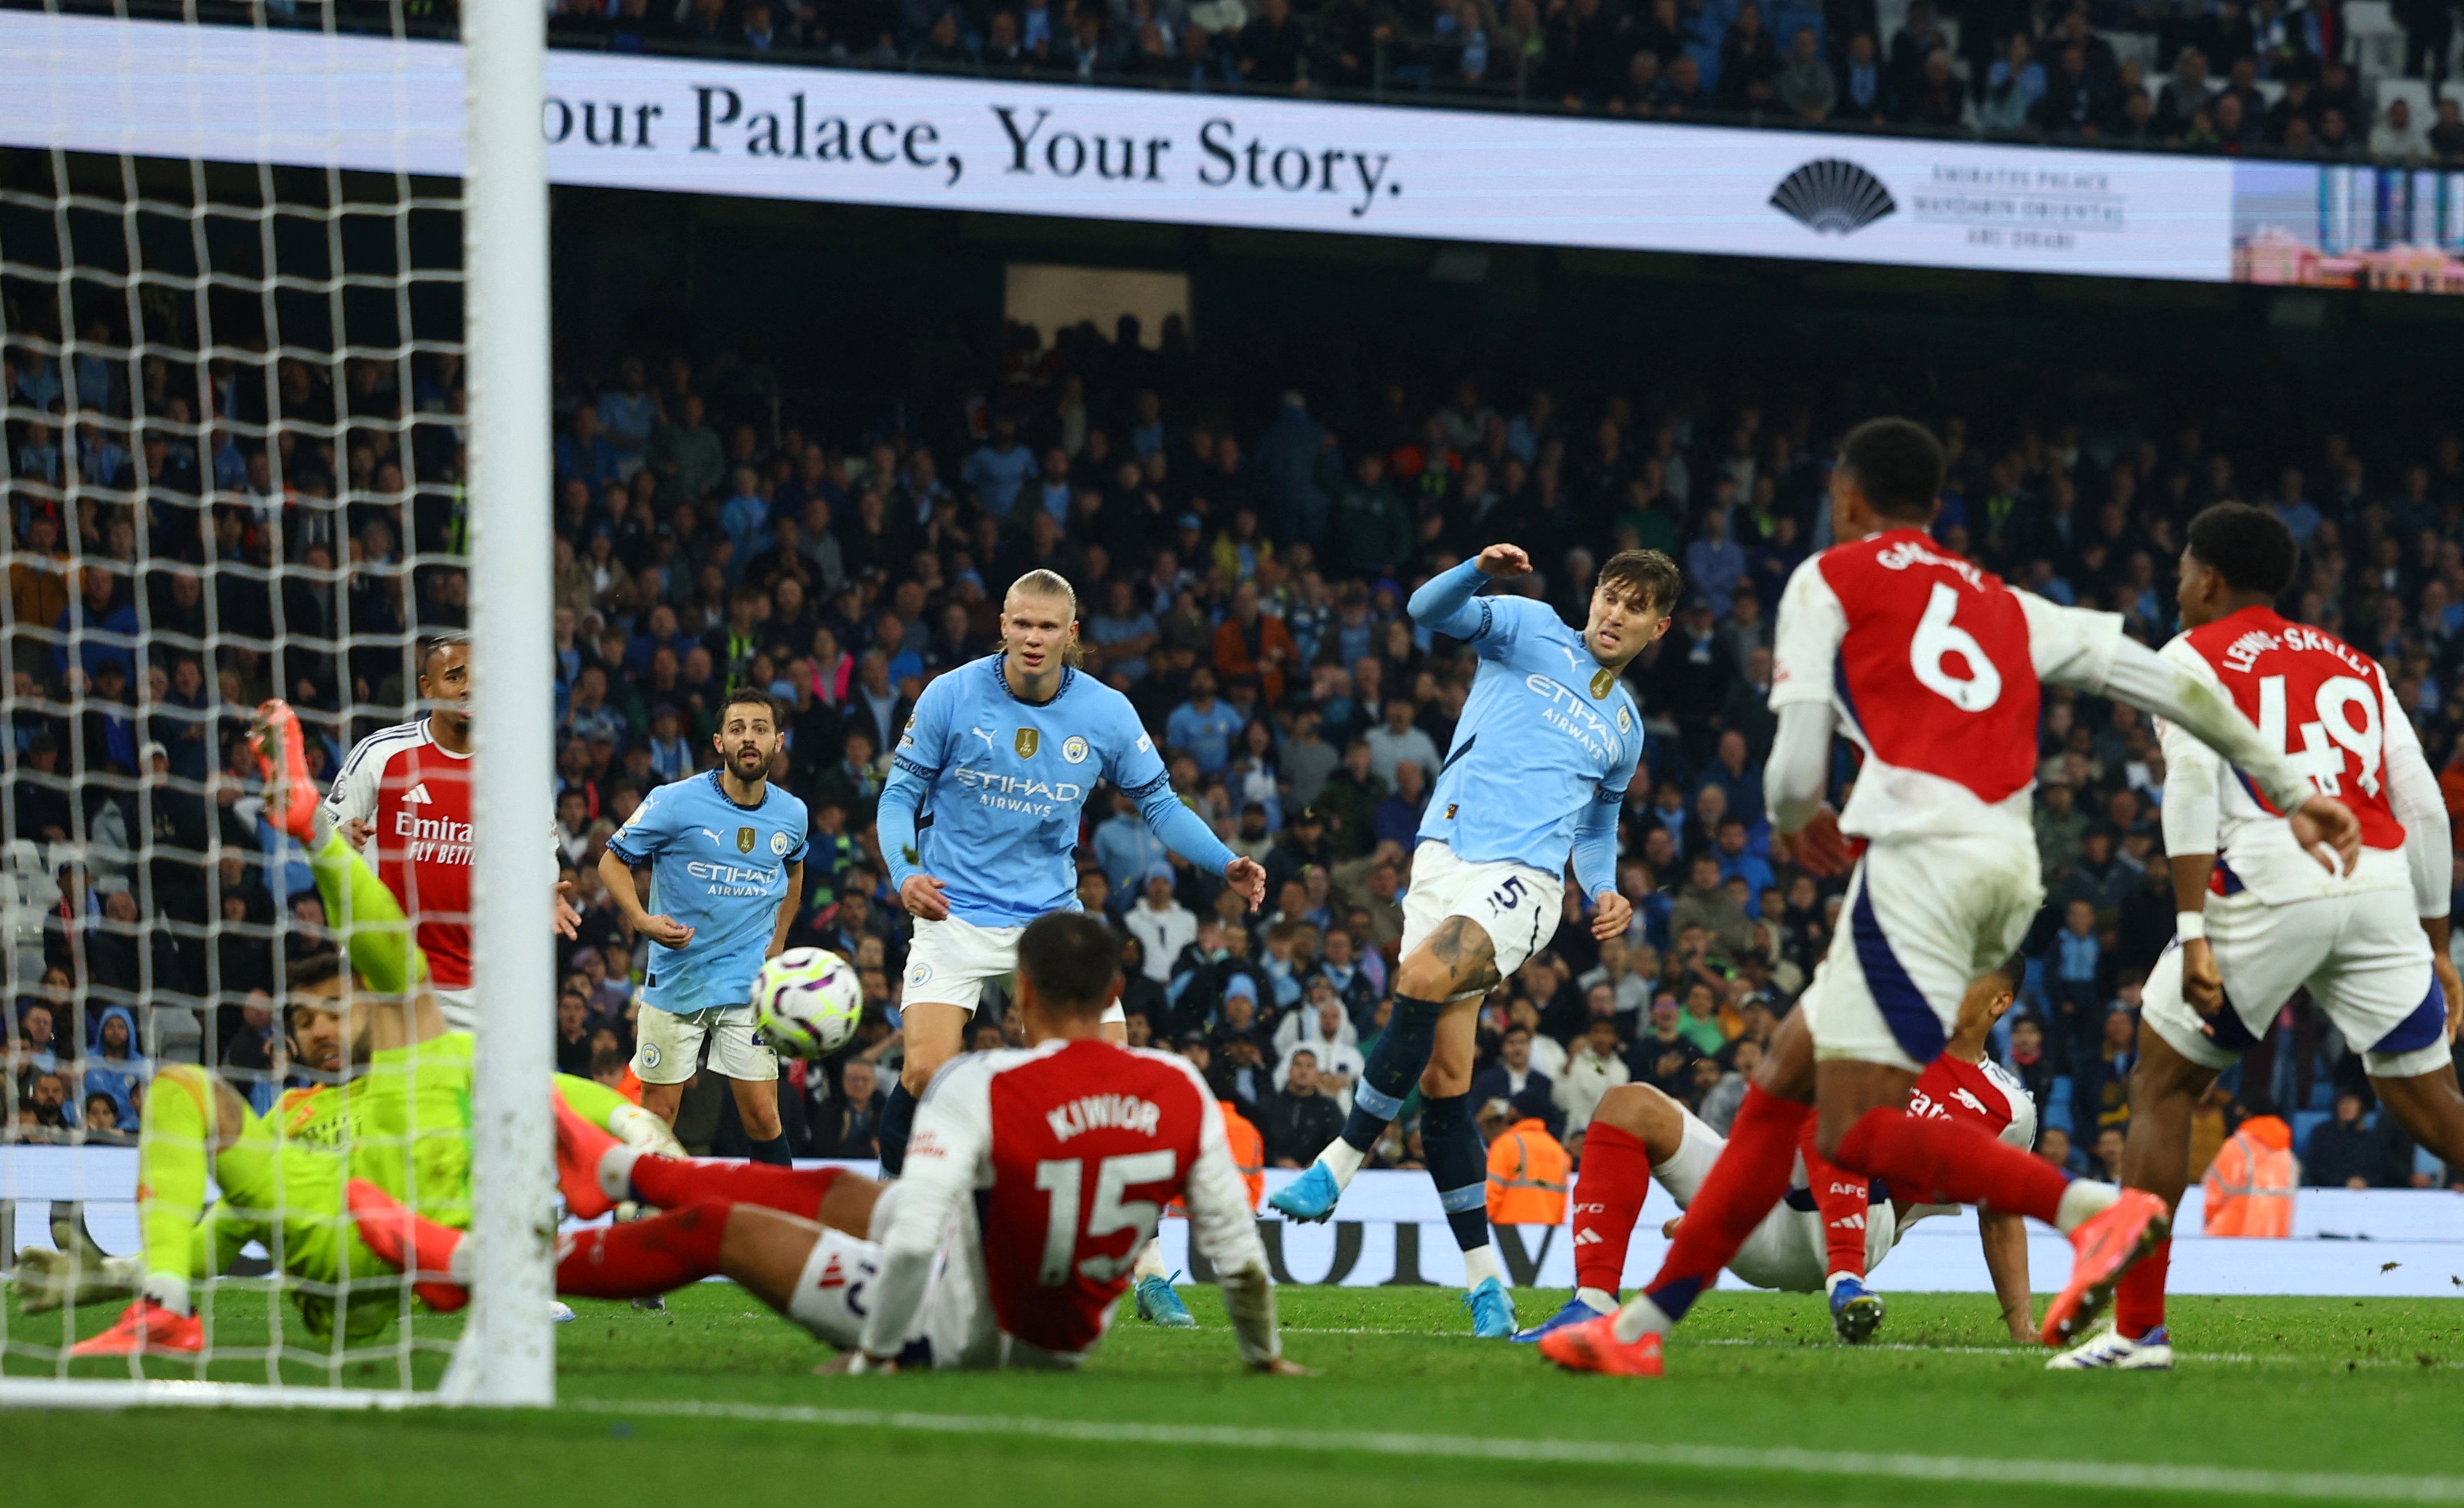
(508, 1355)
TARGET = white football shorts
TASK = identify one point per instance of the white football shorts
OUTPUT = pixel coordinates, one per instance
(2363, 957)
(1517, 905)
(1785, 1252)
(1926, 916)
(668, 1047)
(950, 962)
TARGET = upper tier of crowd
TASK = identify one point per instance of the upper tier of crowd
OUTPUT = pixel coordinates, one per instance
(2328, 80)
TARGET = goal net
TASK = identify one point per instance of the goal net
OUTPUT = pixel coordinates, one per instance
(274, 382)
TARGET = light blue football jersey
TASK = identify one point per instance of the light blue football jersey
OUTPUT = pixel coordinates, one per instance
(720, 869)
(1545, 731)
(1005, 782)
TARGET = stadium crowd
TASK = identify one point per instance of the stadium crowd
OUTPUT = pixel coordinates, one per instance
(1240, 577)
(2292, 77)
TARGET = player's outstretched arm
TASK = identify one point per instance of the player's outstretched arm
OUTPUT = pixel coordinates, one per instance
(1186, 834)
(2088, 651)
(2006, 1258)
(1444, 601)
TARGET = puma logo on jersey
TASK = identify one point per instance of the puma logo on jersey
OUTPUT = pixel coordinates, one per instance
(417, 795)
(1096, 1112)
(986, 737)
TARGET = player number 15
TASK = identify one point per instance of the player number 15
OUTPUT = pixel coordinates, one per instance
(1060, 1178)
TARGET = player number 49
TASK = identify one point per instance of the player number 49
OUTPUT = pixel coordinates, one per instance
(2321, 754)
(1061, 1179)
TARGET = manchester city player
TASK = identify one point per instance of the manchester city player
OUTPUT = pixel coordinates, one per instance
(1542, 755)
(726, 853)
(998, 759)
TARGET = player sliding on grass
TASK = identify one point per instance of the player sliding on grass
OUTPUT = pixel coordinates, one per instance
(1542, 756)
(2256, 921)
(398, 1114)
(1834, 1226)
(1034, 1178)
(979, 824)
(1935, 668)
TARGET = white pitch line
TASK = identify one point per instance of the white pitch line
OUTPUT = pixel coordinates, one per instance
(2114, 1475)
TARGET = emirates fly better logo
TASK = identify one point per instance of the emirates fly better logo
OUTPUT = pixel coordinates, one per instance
(1832, 196)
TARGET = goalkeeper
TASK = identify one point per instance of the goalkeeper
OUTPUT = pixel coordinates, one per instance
(397, 1116)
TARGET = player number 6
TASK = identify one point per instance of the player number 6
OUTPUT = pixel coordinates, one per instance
(1936, 640)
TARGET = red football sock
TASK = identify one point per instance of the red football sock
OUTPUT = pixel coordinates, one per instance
(1751, 1176)
(649, 1256)
(1608, 1200)
(1840, 1196)
(1952, 1162)
(672, 1185)
(2139, 1299)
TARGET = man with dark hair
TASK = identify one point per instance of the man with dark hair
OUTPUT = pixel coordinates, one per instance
(408, 788)
(727, 855)
(973, 1270)
(2256, 920)
(1542, 756)
(1936, 669)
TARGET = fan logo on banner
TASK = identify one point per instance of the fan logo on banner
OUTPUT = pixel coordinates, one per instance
(1832, 196)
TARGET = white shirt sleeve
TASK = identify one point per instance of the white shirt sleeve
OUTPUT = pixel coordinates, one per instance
(2412, 791)
(1221, 1227)
(946, 1158)
(2193, 775)
(353, 796)
(1805, 643)
(2069, 646)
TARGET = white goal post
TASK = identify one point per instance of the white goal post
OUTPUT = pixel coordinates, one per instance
(80, 436)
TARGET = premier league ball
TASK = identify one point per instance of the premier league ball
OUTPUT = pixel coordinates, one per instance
(806, 1002)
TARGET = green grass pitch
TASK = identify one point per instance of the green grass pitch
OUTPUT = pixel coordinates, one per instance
(2329, 1399)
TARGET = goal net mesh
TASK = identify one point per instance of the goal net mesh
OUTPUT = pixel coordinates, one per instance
(234, 470)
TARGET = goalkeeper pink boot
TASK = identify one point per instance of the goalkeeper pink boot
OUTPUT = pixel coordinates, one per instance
(145, 1328)
(280, 746)
(407, 1243)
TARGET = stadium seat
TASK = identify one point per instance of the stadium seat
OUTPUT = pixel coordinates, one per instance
(2305, 1122)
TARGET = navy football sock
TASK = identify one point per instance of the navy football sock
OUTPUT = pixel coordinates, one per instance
(897, 1120)
(1394, 1065)
(773, 1151)
(1459, 1166)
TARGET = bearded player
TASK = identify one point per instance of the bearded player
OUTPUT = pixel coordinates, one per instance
(1935, 669)
(726, 855)
(408, 788)
(2254, 921)
(1547, 745)
(1033, 1179)
(396, 1115)
(978, 824)
(1834, 1227)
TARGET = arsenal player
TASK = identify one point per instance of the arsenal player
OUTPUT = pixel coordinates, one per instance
(2256, 921)
(1934, 667)
(408, 787)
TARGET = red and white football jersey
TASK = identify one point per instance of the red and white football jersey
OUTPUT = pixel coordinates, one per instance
(417, 798)
(1983, 1093)
(1052, 1165)
(1934, 667)
(2329, 707)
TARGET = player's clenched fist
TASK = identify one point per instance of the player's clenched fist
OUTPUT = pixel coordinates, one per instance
(1504, 560)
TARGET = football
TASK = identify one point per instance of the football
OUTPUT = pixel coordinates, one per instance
(806, 1002)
